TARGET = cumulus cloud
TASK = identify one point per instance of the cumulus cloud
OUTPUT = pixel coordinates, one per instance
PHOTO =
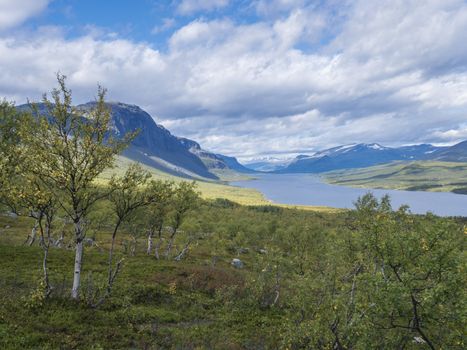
(187, 7)
(15, 12)
(393, 73)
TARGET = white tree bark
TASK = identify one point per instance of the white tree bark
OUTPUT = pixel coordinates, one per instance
(77, 269)
(158, 247)
(32, 236)
(183, 252)
(169, 248)
(150, 236)
(79, 250)
(134, 241)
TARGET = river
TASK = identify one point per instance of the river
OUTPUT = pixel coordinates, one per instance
(308, 189)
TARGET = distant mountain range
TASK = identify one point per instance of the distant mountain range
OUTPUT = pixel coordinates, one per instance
(155, 146)
(268, 164)
(364, 155)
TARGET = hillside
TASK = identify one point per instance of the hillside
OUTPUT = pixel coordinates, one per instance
(156, 147)
(414, 176)
(208, 189)
(365, 155)
(356, 156)
(456, 153)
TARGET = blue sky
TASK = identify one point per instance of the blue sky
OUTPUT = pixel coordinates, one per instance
(253, 78)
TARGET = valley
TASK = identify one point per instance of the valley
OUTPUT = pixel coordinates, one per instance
(233, 175)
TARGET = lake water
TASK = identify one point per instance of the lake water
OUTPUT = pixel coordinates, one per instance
(307, 189)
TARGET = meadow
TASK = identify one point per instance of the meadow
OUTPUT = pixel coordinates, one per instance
(412, 176)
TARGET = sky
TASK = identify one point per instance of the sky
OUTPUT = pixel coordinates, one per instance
(255, 78)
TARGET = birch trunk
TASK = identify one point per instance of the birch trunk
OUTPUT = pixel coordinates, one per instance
(183, 252)
(46, 271)
(133, 246)
(156, 250)
(111, 252)
(171, 242)
(79, 234)
(150, 239)
(45, 244)
(159, 243)
(169, 248)
(32, 236)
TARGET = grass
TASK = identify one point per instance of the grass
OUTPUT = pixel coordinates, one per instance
(209, 189)
(200, 302)
(412, 176)
(213, 189)
(155, 304)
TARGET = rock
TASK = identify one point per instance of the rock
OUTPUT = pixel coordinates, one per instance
(89, 242)
(12, 215)
(237, 263)
(262, 251)
(243, 250)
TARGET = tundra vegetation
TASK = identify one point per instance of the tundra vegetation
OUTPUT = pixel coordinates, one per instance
(135, 262)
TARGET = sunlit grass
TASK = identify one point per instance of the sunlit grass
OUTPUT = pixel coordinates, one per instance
(420, 175)
(211, 189)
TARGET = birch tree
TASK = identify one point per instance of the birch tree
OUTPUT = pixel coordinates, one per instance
(71, 150)
(127, 194)
(11, 154)
(156, 212)
(184, 199)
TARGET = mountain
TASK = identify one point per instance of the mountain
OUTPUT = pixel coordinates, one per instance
(234, 164)
(154, 145)
(268, 164)
(365, 155)
(210, 160)
(214, 161)
(456, 153)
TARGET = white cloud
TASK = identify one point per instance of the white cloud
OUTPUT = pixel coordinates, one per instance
(187, 7)
(275, 7)
(392, 74)
(167, 23)
(15, 12)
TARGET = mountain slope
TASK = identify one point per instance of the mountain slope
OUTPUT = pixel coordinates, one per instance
(416, 176)
(456, 153)
(210, 160)
(365, 155)
(154, 145)
(214, 161)
(233, 164)
(343, 157)
(268, 164)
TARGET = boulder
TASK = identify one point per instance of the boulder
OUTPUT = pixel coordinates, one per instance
(237, 263)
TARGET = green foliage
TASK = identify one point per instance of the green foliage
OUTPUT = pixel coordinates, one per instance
(371, 278)
(309, 279)
(71, 150)
(13, 156)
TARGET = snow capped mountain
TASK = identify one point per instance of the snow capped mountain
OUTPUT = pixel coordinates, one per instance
(367, 154)
(268, 164)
